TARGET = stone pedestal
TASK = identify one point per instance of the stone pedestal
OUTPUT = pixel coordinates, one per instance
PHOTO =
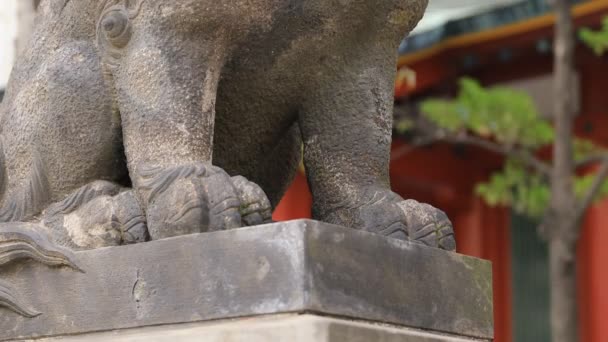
(275, 328)
(293, 281)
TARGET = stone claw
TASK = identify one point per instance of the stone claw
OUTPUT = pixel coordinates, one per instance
(100, 214)
(428, 225)
(386, 213)
(223, 201)
(201, 198)
(255, 207)
(190, 199)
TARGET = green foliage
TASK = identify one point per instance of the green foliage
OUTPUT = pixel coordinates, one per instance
(584, 148)
(506, 115)
(509, 118)
(404, 125)
(597, 40)
(528, 193)
(583, 184)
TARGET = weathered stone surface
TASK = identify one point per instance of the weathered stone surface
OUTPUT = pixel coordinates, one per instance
(166, 101)
(281, 328)
(298, 266)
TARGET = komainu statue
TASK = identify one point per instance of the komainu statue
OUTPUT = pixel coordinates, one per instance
(130, 120)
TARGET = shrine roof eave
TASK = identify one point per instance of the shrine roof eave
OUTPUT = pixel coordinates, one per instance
(441, 56)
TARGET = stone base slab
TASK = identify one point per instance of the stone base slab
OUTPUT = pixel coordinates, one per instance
(282, 328)
(290, 267)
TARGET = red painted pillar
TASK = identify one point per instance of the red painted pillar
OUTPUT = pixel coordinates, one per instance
(296, 203)
(593, 275)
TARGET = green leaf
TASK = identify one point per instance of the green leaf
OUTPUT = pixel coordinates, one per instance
(583, 184)
(596, 40)
(404, 125)
(526, 192)
(584, 148)
(444, 114)
(503, 114)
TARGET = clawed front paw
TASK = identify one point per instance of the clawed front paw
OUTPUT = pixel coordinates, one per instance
(200, 198)
(428, 225)
(386, 213)
(99, 214)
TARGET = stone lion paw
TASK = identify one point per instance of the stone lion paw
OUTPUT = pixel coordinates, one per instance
(255, 207)
(200, 198)
(100, 214)
(428, 225)
(386, 213)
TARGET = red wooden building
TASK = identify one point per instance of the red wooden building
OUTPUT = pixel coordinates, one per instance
(516, 53)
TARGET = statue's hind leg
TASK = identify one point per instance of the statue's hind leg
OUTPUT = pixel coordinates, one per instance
(100, 214)
(61, 134)
(61, 131)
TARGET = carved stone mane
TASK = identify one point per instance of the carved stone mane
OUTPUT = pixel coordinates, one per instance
(19, 242)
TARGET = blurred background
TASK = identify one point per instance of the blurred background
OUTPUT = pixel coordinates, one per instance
(507, 43)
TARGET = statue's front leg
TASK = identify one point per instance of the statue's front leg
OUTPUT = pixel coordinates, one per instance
(346, 127)
(166, 88)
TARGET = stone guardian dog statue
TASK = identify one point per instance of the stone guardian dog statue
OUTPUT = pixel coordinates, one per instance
(129, 120)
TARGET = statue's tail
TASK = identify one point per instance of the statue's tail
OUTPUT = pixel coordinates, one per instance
(21, 242)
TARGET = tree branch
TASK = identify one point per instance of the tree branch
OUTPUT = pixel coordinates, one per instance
(593, 191)
(429, 136)
(519, 154)
(590, 160)
(563, 198)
